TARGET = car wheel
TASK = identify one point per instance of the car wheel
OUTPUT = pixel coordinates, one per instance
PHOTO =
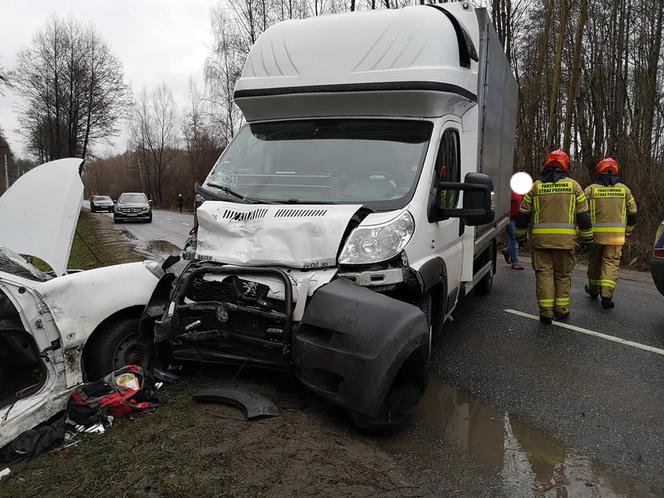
(485, 285)
(115, 345)
(432, 306)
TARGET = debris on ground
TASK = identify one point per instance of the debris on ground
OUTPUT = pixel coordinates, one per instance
(127, 391)
(35, 441)
(253, 405)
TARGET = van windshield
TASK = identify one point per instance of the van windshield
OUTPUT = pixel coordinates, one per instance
(324, 161)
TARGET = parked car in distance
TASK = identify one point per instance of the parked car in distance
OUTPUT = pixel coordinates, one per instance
(101, 203)
(657, 261)
(132, 206)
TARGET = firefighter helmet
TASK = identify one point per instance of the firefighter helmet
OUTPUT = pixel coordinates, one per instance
(606, 165)
(557, 158)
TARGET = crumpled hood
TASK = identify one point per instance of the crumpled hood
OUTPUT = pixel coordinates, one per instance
(295, 236)
(39, 212)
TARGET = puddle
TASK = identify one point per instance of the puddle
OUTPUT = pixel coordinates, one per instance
(158, 248)
(525, 461)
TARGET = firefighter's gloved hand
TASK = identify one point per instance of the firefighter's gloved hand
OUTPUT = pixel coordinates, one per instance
(582, 249)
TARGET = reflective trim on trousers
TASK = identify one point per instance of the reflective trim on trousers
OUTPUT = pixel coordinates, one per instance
(545, 303)
(562, 301)
(554, 231)
(611, 284)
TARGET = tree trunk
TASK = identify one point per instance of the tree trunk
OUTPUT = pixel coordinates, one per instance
(552, 133)
(576, 71)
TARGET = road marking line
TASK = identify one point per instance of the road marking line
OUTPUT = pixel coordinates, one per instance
(593, 333)
(185, 224)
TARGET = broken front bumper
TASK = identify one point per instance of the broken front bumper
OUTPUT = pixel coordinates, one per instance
(346, 342)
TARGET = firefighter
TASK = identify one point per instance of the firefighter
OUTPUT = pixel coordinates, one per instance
(613, 214)
(558, 209)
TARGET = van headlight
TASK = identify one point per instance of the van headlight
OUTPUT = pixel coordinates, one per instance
(376, 243)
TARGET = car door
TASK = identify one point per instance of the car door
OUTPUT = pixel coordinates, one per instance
(447, 233)
(33, 360)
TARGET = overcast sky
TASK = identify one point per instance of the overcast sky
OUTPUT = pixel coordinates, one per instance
(156, 41)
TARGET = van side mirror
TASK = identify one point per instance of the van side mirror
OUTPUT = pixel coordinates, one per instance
(477, 207)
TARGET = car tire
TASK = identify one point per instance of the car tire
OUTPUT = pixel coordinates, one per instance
(485, 285)
(433, 308)
(115, 345)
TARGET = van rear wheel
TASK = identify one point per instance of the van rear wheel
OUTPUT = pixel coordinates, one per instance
(484, 286)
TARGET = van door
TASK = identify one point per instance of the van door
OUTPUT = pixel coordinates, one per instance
(447, 233)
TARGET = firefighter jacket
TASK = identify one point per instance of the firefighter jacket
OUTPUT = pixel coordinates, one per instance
(557, 209)
(612, 212)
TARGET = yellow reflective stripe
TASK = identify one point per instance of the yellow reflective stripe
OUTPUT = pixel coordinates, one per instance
(611, 284)
(586, 233)
(581, 198)
(545, 303)
(570, 215)
(562, 301)
(608, 229)
(593, 212)
(557, 231)
(537, 210)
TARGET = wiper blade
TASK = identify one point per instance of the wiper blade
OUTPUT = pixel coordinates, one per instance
(229, 191)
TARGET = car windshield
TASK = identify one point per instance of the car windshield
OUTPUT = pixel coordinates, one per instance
(102, 198)
(138, 198)
(372, 162)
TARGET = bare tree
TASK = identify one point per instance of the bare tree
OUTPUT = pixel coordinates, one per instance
(73, 90)
(154, 133)
(222, 70)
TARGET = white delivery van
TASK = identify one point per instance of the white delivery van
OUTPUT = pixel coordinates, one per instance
(360, 201)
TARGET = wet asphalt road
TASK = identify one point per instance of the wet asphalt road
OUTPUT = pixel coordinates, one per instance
(598, 398)
(170, 226)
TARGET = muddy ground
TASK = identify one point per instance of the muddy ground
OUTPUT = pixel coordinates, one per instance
(189, 449)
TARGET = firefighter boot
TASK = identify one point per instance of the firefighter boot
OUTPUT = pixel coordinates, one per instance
(542, 261)
(563, 264)
(609, 274)
(594, 270)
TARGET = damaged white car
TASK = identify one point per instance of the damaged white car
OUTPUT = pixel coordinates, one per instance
(57, 327)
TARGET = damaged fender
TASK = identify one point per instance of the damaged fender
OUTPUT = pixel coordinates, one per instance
(253, 405)
(352, 343)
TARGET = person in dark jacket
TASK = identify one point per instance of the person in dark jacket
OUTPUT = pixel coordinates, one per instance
(511, 250)
(180, 202)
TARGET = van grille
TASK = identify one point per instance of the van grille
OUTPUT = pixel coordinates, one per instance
(231, 214)
(300, 213)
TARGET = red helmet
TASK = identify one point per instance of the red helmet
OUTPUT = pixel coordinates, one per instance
(606, 165)
(557, 158)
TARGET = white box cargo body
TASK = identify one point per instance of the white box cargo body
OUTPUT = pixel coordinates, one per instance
(360, 201)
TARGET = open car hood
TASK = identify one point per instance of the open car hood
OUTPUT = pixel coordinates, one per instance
(39, 212)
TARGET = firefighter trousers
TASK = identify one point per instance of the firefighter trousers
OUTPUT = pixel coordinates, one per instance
(603, 265)
(553, 279)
